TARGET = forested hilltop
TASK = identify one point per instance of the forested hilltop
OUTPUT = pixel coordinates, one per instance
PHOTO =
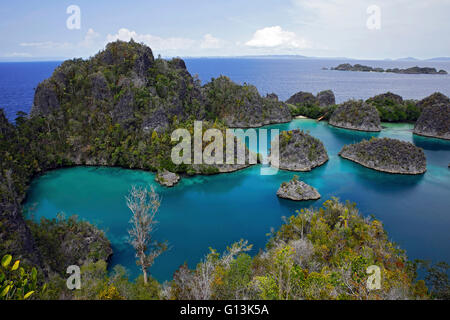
(117, 108)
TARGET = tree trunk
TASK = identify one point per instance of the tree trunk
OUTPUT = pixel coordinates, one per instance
(144, 270)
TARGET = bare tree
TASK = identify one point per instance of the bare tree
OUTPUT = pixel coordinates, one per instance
(144, 204)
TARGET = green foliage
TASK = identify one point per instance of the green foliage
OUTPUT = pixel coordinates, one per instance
(63, 242)
(17, 282)
(395, 110)
(313, 111)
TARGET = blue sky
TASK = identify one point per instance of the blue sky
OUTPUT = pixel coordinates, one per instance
(326, 28)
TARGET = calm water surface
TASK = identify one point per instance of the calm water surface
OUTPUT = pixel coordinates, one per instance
(214, 211)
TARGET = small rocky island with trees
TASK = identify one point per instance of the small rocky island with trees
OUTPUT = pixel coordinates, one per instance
(300, 151)
(387, 155)
(356, 115)
(297, 190)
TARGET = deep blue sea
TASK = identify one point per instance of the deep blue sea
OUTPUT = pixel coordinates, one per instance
(214, 211)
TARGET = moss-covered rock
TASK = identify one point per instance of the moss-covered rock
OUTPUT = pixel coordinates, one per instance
(387, 155)
(356, 115)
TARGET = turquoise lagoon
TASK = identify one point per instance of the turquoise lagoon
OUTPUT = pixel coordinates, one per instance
(215, 211)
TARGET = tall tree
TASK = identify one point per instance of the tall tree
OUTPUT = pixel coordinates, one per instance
(144, 204)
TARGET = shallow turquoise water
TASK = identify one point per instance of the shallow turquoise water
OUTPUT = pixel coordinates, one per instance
(214, 211)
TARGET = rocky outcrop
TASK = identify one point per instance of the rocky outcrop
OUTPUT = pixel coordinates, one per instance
(385, 98)
(45, 99)
(298, 151)
(434, 121)
(302, 98)
(387, 155)
(242, 106)
(326, 98)
(356, 115)
(433, 99)
(322, 99)
(297, 190)
(167, 178)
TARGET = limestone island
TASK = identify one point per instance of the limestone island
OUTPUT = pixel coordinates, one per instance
(412, 70)
(299, 151)
(434, 120)
(297, 190)
(167, 178)
(387, 155)
(356, 115)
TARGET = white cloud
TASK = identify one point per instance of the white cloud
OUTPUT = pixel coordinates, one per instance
(46, 44)
(155, 42)
(18, 55)
(210, 42)
(276, 37)
(90, 38)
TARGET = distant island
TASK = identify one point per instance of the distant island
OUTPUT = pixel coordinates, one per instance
(412, 70)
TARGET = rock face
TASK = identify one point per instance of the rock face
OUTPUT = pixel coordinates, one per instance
(356, 115)
(322, 99)
(299, 151)
(434, 121)
(435, 98)
(167, 178)
(326, 98)
(387, 155)
(297, 190)
(304, 98)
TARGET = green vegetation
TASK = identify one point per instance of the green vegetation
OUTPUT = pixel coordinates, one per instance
(392, 108)
(317, 254)
(17, 282)
(313, 111)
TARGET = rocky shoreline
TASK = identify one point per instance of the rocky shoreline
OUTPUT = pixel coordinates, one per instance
(387, 155)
